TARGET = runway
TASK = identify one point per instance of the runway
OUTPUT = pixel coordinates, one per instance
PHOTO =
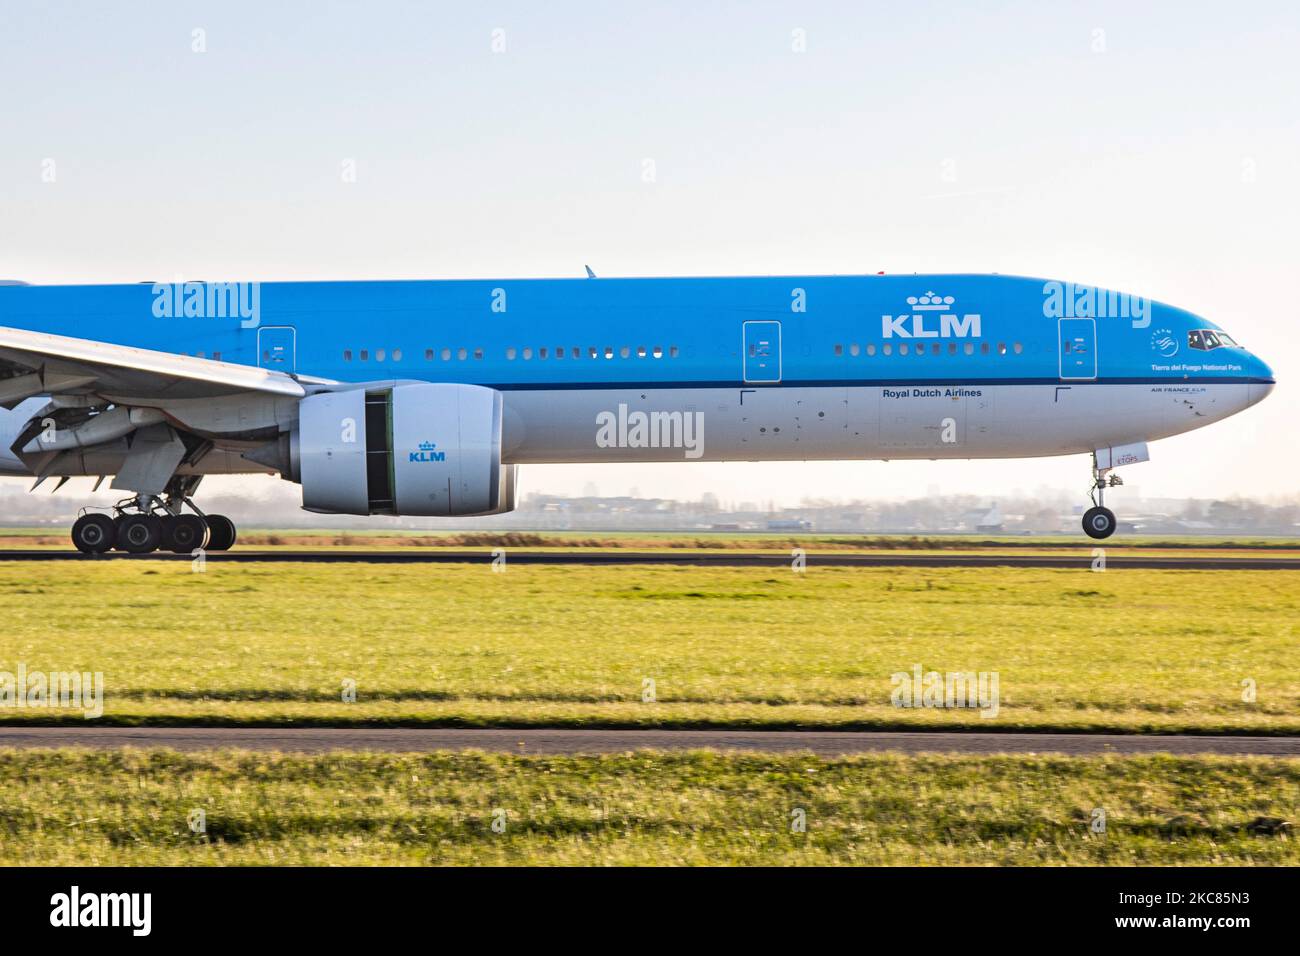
(565, 741)
(1083, 559)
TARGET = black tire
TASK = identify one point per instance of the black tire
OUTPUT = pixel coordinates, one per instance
(1099, 523)
(222, 533)
(93, 534)
(117, 530)
(182, 534)
(139, 534)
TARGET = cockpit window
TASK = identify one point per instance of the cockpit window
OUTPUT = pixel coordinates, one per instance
(1205, 339)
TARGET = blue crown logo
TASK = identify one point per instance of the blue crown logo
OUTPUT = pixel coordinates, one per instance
(427, 446)
(930, 302)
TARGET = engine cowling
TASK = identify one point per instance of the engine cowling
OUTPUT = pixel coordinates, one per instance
(417, 449)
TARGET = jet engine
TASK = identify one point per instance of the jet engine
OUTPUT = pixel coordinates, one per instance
(413, 449)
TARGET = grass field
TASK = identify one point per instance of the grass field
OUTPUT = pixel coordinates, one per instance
(459, 645)
(271, 539)
(134, 807)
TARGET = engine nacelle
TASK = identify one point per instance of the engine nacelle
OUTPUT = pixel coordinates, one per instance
(402, 450)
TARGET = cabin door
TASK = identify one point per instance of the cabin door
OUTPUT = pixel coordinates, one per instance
(762, 351)
(1078, 348)
(277, 347)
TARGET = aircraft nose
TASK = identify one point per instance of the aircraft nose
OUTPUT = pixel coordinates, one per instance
(1256, 393)
(1263, 382)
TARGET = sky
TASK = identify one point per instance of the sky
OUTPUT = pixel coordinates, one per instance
(1152, 148)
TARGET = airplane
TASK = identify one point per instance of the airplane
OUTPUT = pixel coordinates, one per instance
(424, 397)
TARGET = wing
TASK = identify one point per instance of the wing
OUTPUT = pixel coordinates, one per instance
(37, 363)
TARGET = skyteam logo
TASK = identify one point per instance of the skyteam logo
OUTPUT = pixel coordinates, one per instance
(932, 317)
(428, 452)
(1164, 342)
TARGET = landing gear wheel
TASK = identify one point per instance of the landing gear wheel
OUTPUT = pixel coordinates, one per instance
(221, 535)
(139, 534)
(93, 534)
(117, 532)
(1099, 522)
(182, 534)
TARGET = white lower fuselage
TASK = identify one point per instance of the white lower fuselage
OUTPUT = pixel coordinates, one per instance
(851, 423)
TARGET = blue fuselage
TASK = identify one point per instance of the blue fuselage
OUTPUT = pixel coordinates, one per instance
(522, 334)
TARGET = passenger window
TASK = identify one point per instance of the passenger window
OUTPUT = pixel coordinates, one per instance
(658, 352)
(839, 350)
(624, 352)
(854, 349)
(397, 355)
(528, 354)
(902, 348)
(559, 352)
(347, 355)
(428, 355)
(871, 348)
(591, 352)
(446, 354)
(379, 355)
(1002, 348)
(887, 349)
(952, 348)
(365, 355)
(541, 353)
(969, 348)
(672, 351)
(609, 351)
(1018, 348)
(640, 351)
(984, 348)
(460, 355)
(510, 354)
(478, 354)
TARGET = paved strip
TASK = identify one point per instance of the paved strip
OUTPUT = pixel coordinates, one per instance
(722, 559)
(565, 741)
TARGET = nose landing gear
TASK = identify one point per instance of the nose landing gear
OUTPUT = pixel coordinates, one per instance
(1099, 521)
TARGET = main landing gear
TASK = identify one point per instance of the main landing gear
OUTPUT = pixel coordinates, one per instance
(1099, 521)
(149, 523)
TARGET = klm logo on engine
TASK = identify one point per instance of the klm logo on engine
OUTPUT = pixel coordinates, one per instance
(932, 317)
(428, 452)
